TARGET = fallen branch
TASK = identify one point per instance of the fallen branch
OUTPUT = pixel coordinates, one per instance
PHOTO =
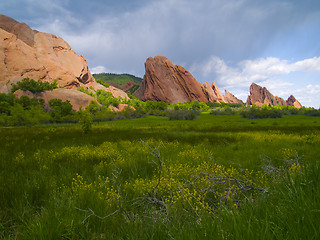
(93, 214)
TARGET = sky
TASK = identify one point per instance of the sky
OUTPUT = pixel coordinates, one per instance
(274, 43)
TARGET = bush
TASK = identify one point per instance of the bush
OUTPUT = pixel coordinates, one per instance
(225, 105)
(223, 111)
(86, 121)
(155, 105)
(311, 112)
(194, 105)
(33, 86)
(59, 109)
(106, 98)
(183, 114)
(254, 113)
(103, 83)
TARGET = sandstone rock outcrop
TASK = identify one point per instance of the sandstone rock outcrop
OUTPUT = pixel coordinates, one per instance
(292, 101)
(37, 55)
(75, 97)
(230, 98)
(210, 92)
(41, 56)
(218, 94)
(261, 96)
(164, 81)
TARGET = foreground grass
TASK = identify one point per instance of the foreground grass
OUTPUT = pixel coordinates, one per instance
(157, 179)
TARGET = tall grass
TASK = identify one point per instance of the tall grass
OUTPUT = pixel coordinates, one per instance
(58, 183)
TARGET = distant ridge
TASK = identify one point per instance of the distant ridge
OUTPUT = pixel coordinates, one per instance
(126, 82)
(119, 79)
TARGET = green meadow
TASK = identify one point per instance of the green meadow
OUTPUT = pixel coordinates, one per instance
(215, 177)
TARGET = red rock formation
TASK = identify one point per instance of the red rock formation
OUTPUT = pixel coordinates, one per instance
(40, 56)
(230, 98)
(210, 92)
(217, 92)
(292, 101)
(164, 81)
(260, 96)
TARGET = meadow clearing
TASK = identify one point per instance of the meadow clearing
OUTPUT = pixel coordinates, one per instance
(215, 177)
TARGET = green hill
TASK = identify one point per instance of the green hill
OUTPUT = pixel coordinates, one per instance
(119, 79)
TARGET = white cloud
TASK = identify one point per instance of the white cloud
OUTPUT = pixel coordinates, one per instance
(309, 65)
(99, 69)
(312, 89)
(270, 72)
(262, 70)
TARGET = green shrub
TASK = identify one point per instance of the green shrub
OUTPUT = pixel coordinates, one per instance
(103, 83)
(33, 86)
(59, 109)
(311, 112)
(254, 113)
(223, 111)
(86, 121)
(183, 114)
(86, 91)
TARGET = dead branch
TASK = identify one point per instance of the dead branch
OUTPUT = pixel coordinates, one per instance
(95, 215)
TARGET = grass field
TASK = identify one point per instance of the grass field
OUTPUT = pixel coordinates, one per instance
(216, 177)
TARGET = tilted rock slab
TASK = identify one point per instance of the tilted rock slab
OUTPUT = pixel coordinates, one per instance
(293, 102)
(230, 98)
(261, 96)
(164, 81)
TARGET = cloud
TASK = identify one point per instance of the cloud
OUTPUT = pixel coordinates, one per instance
(312, 89)
(312, 64)
(277, 75)
(258, 70)
(99, 69)
(182, 30)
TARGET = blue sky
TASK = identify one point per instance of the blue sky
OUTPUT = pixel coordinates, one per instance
(273, 43)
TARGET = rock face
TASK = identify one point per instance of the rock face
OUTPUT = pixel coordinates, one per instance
(292, 101)
(40, 56)
(218, 95)
(210, 92)
(230, 98)
(260, 96)
(164, 81)
(75, 97)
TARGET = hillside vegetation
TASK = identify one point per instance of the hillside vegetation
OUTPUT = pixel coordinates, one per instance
(119, 79)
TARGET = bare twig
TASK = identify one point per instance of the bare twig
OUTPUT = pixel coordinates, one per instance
(93, 214)
(156, 153)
